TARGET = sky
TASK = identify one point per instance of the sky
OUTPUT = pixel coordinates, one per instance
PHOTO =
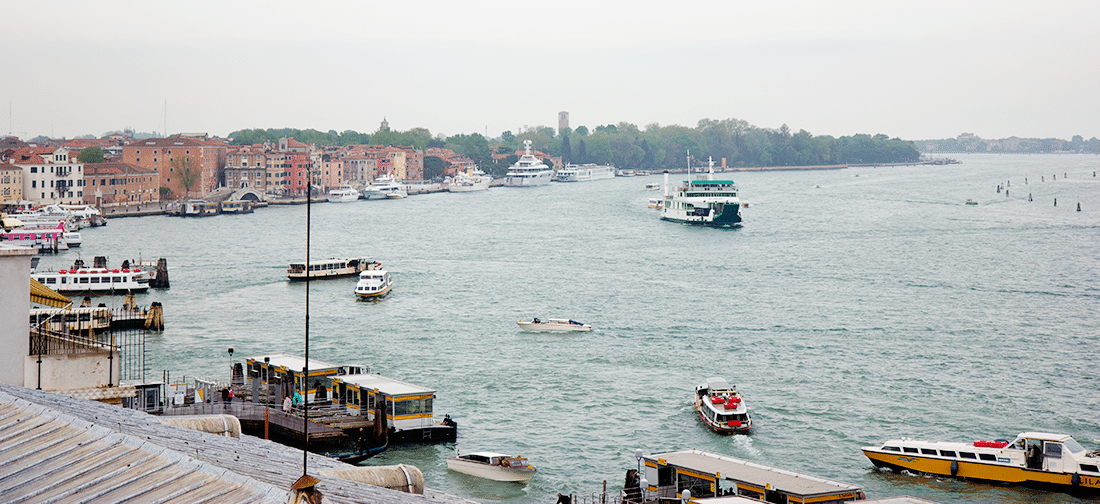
(911, 69)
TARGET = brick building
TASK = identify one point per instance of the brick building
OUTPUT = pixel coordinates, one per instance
(170, 156)
(119, 184)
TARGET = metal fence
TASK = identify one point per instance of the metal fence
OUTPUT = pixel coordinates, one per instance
(60, 333)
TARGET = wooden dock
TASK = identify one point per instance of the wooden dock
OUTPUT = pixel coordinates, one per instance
(327, 425)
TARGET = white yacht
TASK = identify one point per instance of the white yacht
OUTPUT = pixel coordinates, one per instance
(473, 179)
(703, 202)
(343, 194)
(528, 171)
(384, 187)
(585, 172)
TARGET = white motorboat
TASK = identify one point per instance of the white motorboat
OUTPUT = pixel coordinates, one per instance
(383, 187)
(528, 171)
(72, 238)
(331, 268)
(343, 194)
(473, 179)
(722, 407)
(653, 186)
(494, 466)
(585, 172)
(373, 284)
(703, 202)
(1039, 459)
(654, 203)
(554, 325)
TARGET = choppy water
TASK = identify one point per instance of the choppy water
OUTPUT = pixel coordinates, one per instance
(854, 306)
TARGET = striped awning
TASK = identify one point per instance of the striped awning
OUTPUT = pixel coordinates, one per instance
(46, 296)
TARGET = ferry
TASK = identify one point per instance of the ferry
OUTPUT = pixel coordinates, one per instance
(373, 284)
(554, 325)
(528, 171)
(653, 186)
(585, 172)
(94, 280)
(655, 203)
(331, 268)
(722, 407)
(199, 208)
(703, 202)
(409, 408)
(236, 207)
(696, 474)
(1036, 459)
(39, 238)
(343, 194)
(473, 179)
(493, 466)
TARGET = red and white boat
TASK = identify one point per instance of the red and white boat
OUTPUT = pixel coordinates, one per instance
(722, 407)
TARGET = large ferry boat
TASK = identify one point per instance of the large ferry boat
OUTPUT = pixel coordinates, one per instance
(528, 171)
(703, 202)
(1037, 459)
(473, 179)
(331, 268)
(585, 172)
(722, 407)
(100, 280)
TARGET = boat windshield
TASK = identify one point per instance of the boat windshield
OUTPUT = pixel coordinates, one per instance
(1073, 446)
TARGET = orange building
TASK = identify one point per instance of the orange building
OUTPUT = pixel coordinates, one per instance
(174, 157)
(118, 184)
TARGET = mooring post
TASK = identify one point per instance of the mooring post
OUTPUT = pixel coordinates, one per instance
(265, 421)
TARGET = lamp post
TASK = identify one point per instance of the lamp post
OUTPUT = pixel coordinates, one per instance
(231, 365)
(685, 496)
(643, 484)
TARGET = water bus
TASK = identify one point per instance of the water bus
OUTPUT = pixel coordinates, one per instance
(703, 202)
(409, 414)
(331, 268)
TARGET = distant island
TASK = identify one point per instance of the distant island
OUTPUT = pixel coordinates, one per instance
(969, 142)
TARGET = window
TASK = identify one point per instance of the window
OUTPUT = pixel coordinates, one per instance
(967, 455)
(947, 453)
(1054, 450)
(987, 456)
(928, 451)
(34, 169)
(910, 450)
(94, 280)
(1089, 468)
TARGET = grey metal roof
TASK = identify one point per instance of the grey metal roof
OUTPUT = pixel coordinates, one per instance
(754, 473)
(75, 450)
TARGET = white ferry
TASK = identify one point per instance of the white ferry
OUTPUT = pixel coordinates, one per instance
(373, 284)
(1038, 459)
(528, 171)
(493, 466)
(722, 407)
(585, 172)
(409, 413)
(473, 179)
(331, 268)
(384, 187)
(703, 202)
(343, 194)
(37, 237)
(94, 280)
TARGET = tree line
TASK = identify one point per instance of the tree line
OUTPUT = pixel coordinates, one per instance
(626, 145)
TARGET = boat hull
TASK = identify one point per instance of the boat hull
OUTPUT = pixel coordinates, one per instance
(374, 295)
(744, 428)
(495, 473)
(982, 471)
(542, 327)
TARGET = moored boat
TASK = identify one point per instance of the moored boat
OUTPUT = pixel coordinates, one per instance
(236, 207)
(722, 407)
(585, 172)
(1037, 459)
(528, 171)
(331, 268)
(343, 194)
(494, 466)
(373, 284)
(98, 280)
(473, 179)
(384, 187)
(554, 325)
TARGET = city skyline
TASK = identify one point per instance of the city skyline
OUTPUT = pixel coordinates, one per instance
(912, 70)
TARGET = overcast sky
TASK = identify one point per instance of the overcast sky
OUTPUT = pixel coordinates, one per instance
(915, 70)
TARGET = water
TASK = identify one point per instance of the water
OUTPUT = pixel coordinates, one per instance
(875, 306)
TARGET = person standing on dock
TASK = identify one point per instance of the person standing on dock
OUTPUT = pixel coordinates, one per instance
(286, 404)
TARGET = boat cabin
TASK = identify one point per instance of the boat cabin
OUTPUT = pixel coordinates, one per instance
(240, 206)
(709, 475)
(280, 368)
(76, 320)
(408, 406)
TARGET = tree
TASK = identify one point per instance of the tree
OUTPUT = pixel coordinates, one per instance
(566, 150)
(581, 130)
(433, 167)
(507, 136)
(582, 152)
(186, 171)
(91, 154)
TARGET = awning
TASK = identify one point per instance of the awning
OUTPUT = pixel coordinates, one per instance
(46, 296)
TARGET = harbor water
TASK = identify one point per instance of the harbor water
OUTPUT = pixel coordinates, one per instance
(852, 307)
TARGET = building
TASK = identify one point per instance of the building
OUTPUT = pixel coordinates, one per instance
(188, 167)
(328, 171)
(50, 175)
(11, 184)
(246, 167)
(563, 121)
(116, 184)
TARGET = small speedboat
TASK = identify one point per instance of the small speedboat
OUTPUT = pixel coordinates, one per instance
(494, 466)
(554, 325)
(653, 186)
(971, 202)
(1039, 459)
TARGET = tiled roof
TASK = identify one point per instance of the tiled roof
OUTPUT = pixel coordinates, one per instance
(112, 168)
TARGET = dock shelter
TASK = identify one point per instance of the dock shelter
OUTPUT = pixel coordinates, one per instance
(708, 474)
(282, 369)
(408, 407)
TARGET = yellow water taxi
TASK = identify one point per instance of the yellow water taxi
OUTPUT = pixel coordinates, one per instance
(1038, 459)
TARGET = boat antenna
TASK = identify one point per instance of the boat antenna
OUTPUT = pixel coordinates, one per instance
(305, 367)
